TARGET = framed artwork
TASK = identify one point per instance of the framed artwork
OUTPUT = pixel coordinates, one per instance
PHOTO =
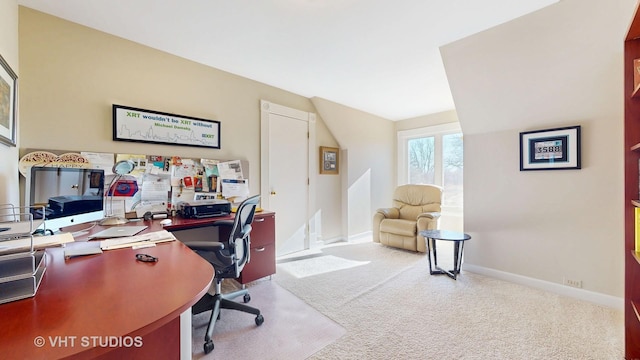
(139, 125)
(552, 149)
(328, 160)
(8, 94)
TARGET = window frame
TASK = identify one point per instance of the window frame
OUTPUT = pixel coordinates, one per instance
(436, 131)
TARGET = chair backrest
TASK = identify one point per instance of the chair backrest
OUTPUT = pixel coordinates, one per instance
(240, 239)
(413, 200)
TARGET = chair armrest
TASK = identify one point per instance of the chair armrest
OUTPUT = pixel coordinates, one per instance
(381, 214)
(228, 223)
(426, 221)
(205, 245)
(389, 213)
(430, 215)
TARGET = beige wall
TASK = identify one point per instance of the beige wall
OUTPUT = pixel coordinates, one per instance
(9, 50)
(369, 154)
(369, 166)
(557, 67)
(72, 75)
(330, 184)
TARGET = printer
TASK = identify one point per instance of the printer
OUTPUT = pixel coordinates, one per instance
(198, 209)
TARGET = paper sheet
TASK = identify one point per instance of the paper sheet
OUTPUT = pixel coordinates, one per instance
(230, 170)
(155, 187)
(102, 161)
(235, 188)
(39, 242)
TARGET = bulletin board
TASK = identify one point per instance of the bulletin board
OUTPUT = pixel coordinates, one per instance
(158, 183)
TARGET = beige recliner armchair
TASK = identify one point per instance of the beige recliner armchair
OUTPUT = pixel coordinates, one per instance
(415, 208)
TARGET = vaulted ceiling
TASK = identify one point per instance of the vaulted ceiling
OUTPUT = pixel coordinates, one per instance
(377, 56)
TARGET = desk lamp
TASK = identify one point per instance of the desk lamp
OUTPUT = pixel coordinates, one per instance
(121, 168)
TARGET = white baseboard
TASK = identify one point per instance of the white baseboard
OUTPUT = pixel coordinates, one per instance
(581, 294)
(367, 235)
(330, 240)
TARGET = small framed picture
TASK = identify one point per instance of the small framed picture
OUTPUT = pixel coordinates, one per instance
(551, 149)
(329, 160)
(8, 94)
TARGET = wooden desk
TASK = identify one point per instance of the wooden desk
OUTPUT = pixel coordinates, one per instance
(113, 297)
(109, 298)
(263, 239)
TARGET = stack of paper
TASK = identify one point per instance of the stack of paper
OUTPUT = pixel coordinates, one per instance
(39, 242)
(137, 240)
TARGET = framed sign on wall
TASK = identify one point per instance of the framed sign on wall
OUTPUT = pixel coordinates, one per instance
(139, 125)
(328, 160)
(551, 149)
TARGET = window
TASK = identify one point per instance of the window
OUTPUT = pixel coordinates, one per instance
(434, 155)
(421, 160)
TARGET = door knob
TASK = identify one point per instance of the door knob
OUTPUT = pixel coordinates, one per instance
(273, 192)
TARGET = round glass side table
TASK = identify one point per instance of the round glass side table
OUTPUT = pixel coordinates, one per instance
(457, 237)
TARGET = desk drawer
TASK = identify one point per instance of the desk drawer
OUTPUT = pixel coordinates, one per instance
(262, 263)
(263, 230)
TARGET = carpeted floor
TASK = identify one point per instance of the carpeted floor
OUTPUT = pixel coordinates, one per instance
(392, 308)
(367, 301)
(291, 329)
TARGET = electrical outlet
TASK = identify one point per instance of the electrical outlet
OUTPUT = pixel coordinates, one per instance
(573, 283)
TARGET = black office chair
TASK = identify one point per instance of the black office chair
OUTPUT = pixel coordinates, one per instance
(228, 259)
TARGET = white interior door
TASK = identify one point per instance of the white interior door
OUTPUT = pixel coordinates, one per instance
(285, 175)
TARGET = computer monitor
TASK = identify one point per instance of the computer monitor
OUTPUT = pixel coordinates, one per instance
(69, 195)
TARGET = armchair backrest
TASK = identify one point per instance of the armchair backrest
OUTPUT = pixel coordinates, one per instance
(412, 200)
(240, 239)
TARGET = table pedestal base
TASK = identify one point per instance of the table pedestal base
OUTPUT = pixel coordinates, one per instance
(458, 248)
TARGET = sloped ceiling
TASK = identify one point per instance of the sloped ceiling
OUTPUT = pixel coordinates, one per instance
(377, 56)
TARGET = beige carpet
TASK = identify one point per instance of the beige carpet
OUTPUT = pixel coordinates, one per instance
(393, 309)
(291, 329)
(331, 287)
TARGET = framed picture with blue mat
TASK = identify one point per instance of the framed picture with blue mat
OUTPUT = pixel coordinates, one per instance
(551, 149)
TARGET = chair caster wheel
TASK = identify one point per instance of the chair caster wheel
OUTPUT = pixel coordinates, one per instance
(247, 298)
(259, 320)
(208, 347)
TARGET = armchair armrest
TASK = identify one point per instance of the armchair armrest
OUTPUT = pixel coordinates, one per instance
(430, 215)
(389, 213)
(381, 214)
(426, 221)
